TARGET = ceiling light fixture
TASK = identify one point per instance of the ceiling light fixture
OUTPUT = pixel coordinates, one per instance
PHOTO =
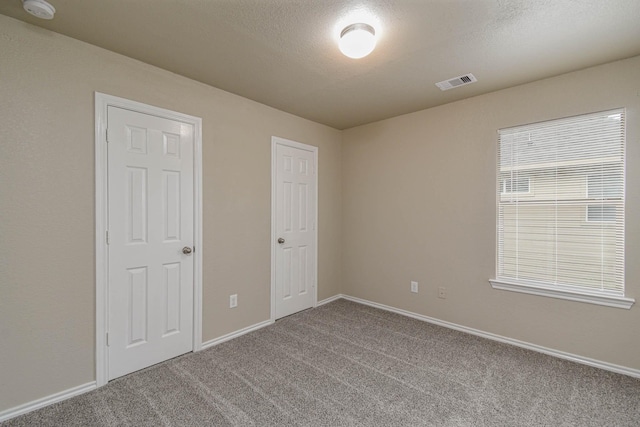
(39, 8)
(357, 40)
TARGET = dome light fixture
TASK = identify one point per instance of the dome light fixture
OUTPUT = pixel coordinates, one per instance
(357, 40)
(39, 8)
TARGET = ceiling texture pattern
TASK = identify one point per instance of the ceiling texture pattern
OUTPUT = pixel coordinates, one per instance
(283, 53)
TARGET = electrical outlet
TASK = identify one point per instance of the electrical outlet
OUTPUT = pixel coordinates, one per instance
(414, 287)
(233, 301)
(442, 293)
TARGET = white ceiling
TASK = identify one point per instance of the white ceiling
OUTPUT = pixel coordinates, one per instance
(284, 53)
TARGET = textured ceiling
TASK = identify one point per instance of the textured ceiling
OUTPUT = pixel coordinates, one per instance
(284, 53)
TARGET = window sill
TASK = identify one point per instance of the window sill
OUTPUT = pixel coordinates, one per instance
(562, 293)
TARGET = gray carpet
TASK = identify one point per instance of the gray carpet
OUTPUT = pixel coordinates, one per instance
(346, 364)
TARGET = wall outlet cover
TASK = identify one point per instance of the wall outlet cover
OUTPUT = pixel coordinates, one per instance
(414, 287)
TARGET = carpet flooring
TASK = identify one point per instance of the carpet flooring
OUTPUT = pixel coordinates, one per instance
(347, 364)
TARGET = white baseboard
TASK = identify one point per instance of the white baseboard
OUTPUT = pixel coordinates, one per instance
(235, 334)
(75, 391)
(46, 401)
(257, 326)
(330, 299)
(540, 349)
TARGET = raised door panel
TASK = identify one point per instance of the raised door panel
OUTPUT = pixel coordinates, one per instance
(171, 202)
(136, 205)
(137, 306)
(172, 306)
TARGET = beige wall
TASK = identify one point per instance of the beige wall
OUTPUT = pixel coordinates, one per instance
(410, 198)
(47, 267)
(419, 204)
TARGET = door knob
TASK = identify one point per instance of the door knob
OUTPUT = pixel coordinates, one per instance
(281, 240)
(186, 250)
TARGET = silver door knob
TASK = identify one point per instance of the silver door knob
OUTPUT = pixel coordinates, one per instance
(186, 250)
(281, 240)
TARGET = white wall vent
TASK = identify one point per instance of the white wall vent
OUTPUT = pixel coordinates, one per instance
(457, 81)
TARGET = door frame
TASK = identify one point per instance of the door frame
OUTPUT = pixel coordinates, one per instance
(275, 141)
(102, 102)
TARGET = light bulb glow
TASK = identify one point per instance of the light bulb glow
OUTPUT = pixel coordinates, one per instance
(357, 40)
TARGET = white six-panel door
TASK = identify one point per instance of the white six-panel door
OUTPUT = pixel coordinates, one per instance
(295, 227)
(151, 235)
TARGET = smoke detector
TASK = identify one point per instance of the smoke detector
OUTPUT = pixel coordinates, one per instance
(39, 8)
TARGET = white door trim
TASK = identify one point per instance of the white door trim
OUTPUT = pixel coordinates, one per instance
(275, 141)
(102, 102)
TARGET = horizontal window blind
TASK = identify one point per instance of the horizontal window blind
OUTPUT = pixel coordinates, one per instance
(566, 229)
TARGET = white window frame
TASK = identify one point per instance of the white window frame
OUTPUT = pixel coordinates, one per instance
(604, 196)
(572, 293)
(603, 218)
(503, 185)
(601, 204)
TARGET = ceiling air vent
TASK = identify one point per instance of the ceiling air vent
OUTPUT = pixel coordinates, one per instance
(456, 82)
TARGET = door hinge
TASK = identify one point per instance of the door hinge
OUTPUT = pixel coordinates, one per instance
(107, 339)
(107, 236)
(106, 135)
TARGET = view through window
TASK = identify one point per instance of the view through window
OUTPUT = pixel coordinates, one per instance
(561, 203)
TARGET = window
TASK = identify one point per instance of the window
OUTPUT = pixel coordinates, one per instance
(601, 213)
(515, 185)
(601, 187)
(567, 239)
(604, 185)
